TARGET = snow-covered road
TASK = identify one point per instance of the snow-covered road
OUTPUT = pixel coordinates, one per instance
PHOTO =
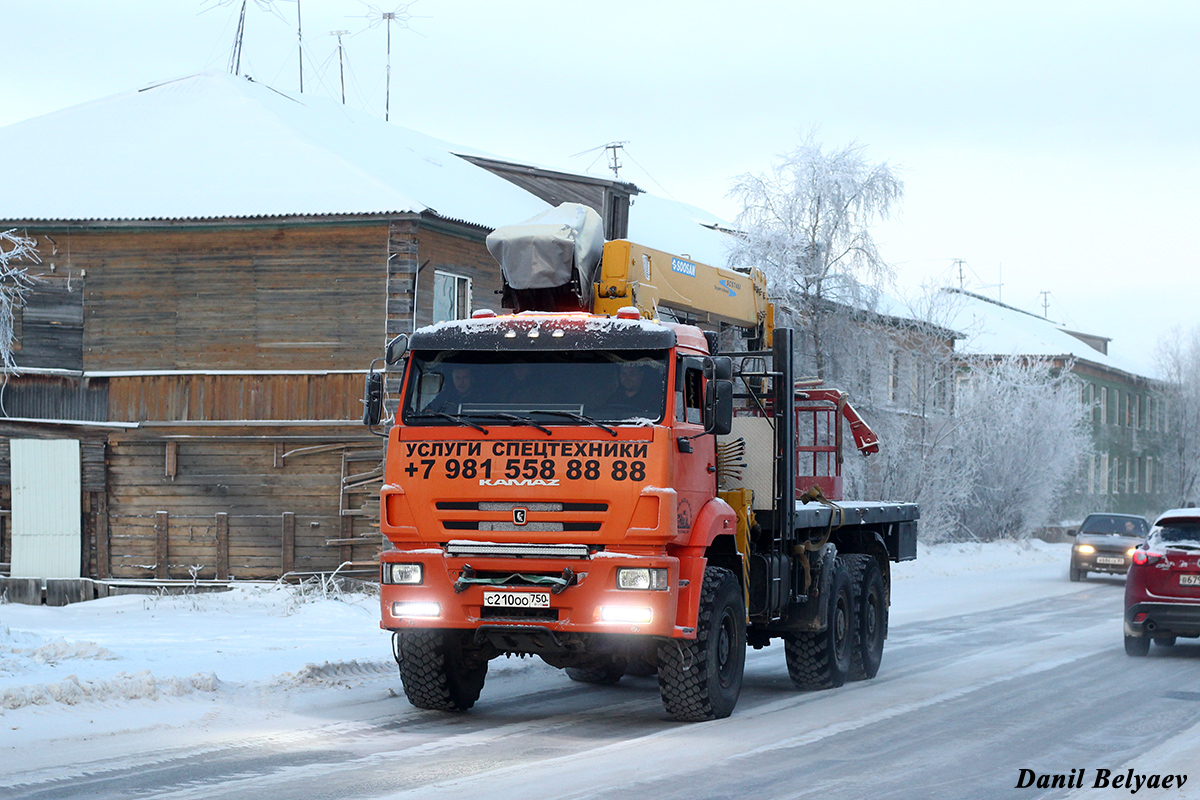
(996, 663)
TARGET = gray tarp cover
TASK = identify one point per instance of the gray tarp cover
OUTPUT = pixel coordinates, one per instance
(542, 253)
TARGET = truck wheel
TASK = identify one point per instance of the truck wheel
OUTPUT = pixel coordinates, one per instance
(439, 670)
(605, 671)
(871, 613)
(822, 660)
(701, 679)
(1137, 645)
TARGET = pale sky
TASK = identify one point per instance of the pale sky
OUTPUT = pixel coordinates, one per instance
(1051, 146)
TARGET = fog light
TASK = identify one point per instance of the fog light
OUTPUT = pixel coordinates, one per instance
(416, 610)
(626, 614)
(642, 578)
(403, 573)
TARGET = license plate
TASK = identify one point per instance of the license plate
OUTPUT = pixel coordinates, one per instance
(1109, 560)
(1189, 580)
(516, 599)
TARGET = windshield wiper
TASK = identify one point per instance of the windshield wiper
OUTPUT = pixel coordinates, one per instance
(518, 420)
(452, 417)
(576, 417)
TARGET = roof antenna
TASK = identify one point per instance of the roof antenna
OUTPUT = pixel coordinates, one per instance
(235, 58)
(401, 16)
(341, 69)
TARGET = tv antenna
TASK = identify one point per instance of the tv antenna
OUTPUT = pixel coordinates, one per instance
(400, 16)
(341, 67)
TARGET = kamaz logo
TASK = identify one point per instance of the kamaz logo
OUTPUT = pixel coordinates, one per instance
(683, 267)
(729, 286)
(518, 482)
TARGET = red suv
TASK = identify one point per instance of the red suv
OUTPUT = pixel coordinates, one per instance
(1162, 589)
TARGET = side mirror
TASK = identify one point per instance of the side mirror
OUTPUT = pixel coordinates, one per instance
(373, 399)
(723, 368)
(1072, 532)
(718, 407)
(397, 348)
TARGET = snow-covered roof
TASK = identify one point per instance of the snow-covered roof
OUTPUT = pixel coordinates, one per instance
(213, 145)
(993, 328)
(679, 229)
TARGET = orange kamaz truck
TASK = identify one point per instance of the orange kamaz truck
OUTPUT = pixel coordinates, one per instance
(622, 476)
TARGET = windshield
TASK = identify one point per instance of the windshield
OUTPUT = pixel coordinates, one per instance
(1176, 534)
(551, 387)
(1114, 523)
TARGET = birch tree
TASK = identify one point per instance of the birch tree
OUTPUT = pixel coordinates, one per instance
(806, 223)
(1020, 438)
(15, 286)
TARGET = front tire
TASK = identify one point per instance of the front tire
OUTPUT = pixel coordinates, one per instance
(1164, 641)
(1077, 574)
(1137, 645)
(822, 660)
(701, 679)
(440, 670)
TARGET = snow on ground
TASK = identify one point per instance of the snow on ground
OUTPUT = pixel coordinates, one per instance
(136, 661)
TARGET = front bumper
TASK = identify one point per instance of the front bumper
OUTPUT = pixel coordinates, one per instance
(1163, 619)
(1087, 562)
(577, 608)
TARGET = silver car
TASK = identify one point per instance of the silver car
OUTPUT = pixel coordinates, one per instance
(1105, 543)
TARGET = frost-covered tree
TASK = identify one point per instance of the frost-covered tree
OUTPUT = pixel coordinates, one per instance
(15, 285)
(806, 223)
(1020, 435)
(1179, 365)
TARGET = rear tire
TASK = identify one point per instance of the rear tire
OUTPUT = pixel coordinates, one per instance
(701, 679)
(440, 670)
(606, 671)
(1137, 645)
(822, 660)
(871, 617)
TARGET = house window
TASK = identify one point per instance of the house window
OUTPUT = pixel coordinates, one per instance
(1103, 405)
(893, 376)
(451, 296)
(1103, 474)
(1149, 474)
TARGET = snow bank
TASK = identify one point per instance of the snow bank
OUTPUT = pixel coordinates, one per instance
(143, 649)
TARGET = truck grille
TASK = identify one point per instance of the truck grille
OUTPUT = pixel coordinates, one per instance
(494, 516)
(516, 549)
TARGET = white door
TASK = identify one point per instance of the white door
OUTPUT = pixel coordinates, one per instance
(46, 535)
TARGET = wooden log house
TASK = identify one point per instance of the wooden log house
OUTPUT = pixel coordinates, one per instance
(207, 355)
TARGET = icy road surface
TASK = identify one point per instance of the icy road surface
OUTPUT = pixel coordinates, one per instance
(996, 662)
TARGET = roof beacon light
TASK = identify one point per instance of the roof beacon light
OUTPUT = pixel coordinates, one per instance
(628, 312)
(482, 313)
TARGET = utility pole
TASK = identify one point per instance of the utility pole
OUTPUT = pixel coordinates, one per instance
(1045, 304)
(958, 262)
(613, 163)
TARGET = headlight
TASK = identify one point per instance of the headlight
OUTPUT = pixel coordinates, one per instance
(403, 573)
(1085, 548)
(416, 610)
(638, 614)
(642, 578)
(1130, 552)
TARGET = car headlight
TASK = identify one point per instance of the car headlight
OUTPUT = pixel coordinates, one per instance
(1085, 548)
(642, 578)
(411, 574)
(1130, 552)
